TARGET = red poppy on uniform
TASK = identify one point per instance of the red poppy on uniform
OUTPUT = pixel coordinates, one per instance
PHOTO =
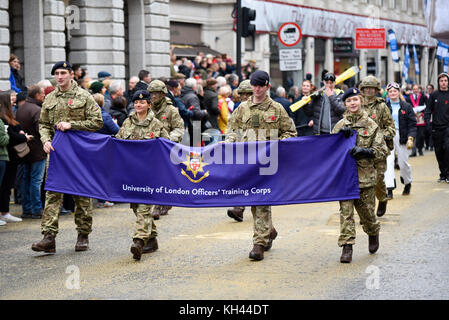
(403, 112)
(164, 117)
(151, 135)
(273, 118)
(70, 102)
(365, 133)
(373, 116)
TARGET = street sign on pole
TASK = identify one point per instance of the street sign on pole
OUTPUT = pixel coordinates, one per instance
(290, 55)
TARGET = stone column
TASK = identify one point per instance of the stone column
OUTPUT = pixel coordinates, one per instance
(390, 66)
(157, 30)
(424, 66)
(4, 46)
(99, 43)
(54, 36)
(309, 60)
(329, 55)
(33, 40)
(364, 63)
(136, 36)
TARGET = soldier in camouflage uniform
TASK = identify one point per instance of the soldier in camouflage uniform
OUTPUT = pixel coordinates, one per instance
(370, 147)
(245, 91)
(68, 107)
(142, 125)
(377, 110)
(252, 121)
(168, 114)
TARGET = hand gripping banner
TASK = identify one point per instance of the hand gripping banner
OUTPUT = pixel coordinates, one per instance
(296, 170)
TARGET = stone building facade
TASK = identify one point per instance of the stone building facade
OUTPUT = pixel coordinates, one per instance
(121, 37)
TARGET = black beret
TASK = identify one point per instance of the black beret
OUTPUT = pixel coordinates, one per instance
(260, 78)
(61, 65)
(141, 95)
(350, 92)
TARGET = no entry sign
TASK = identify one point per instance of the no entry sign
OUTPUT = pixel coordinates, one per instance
(289, 34)
(366, 38)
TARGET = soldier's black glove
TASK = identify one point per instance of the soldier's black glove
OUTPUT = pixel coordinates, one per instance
(347, 131)
(359, 153)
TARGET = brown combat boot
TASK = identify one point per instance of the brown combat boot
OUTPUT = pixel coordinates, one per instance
(156, 213)
(257, 252)
(47, 244)
(373, 243)
(346, 255)
(164, 210)
(82, 243)
(382, 208)
(136, 248)
(236, 214)
(151, 246)
(273, 235)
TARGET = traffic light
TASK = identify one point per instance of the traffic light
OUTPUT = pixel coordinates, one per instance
(248, 15)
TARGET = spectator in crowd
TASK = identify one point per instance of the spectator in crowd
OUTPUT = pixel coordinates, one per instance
(104, 75)
(19, 100)
(418, 102)
(115, 90)
(281, 97)
(192, 103)
(118, 110)
(211, 102)
(44, 84)
(186, 68)
(144, 81)
(221, 82)
(438, 110)
(174, 90)
(249, 68)
(28, 116)
(326, 108)
(233, 81)
(16, 136)
(429, 90)
(15, 78)
(77, 72)
(303, 123)
(405, 122)
(4, 158)
(131, 85)
(97, 87)
(180, 78)
(85, 83)
(223, 93)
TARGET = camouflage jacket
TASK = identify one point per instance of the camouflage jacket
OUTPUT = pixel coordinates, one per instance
(168, 114)
(368, 136)
(75, 106)
(253, 122)
(134, 129)
(380, 113)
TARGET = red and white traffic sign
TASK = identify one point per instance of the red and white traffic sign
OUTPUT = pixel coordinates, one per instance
(367, 38)
(289, 34)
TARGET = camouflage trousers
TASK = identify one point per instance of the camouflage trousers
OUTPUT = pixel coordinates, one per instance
(50, 217)
(161, 208)
(381, 188)
(365, 209)
(262, 224)
(145, 227)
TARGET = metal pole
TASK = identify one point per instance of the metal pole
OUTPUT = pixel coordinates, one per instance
(239, 39)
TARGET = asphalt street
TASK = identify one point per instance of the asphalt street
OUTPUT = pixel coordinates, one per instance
(203, 254)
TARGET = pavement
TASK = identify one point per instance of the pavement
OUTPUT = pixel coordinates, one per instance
(203, 254)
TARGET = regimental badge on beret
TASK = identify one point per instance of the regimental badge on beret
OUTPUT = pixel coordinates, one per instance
(140, 96)
(65, 65)
(354, 91)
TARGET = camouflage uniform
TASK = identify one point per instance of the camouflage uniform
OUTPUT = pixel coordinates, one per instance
(133, 129)
(244, 87)
(246, 121)
(77, 107)
(168, 114)
(379, 112)
(368, 136)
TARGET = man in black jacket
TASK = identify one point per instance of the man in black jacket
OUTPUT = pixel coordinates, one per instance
(438, 107)
(34, 163)
(211, 102)
(192, 103)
